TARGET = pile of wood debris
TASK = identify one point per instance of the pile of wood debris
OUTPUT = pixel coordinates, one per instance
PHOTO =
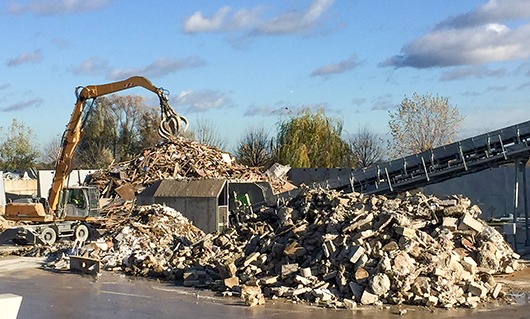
(180, 159)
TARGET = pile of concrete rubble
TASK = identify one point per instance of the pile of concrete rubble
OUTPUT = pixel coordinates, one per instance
(180, 159)
(325, 247)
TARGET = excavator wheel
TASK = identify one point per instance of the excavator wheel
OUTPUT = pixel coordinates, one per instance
(48, 236)
(81, 232)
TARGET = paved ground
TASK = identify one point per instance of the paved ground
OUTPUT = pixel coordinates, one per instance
(49, 294)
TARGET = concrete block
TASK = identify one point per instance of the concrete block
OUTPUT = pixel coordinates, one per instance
(361, 274)
(477, 289)
(288, 269)
(368, 298)
(496, 291)
(10, 305)
(380, 284)
(356, 289)
(469, 264)
(450, 223)
(406, 231)
(323, 294)
(403, 264)
(302, 280)
(251, 258)
(432, 301)
(231, 282)
(306, 272)
(469, 222)
(269, 281)
(355, 252)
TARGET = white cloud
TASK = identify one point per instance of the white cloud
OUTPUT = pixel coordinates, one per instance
(52, 7)
(336, 68)
(490, 12)
(483, 35)
(27, 57)
(198, 23)
(383, 103)
(91, 66)
(159, 68)
(226, 19)
(34, 102)
(473, 71)
(295, 21)
(202, 101)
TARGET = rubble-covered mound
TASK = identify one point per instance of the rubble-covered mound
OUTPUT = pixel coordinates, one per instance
(144, 243)
(348, 248)
(179, 159)
(327, 247)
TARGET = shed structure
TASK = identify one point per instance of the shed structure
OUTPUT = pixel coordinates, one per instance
(204, 202)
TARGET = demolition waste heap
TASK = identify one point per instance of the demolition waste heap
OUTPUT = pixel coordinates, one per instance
(322, 246)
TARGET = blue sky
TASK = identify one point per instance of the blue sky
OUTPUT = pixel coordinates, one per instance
(240, 64)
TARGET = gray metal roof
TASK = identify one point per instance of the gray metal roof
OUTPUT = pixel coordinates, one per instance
(185, 188)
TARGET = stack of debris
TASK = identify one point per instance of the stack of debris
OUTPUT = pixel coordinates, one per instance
(344, 249)
(327, 247)
(181, 159)
(144, 244)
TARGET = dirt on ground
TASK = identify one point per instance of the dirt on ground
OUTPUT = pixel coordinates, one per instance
(517, 282)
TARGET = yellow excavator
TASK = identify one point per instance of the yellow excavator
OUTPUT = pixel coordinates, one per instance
(70, 212)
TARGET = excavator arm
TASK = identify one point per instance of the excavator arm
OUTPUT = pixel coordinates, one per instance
(170, 125)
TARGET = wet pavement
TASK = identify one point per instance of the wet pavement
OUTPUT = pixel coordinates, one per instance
(48, 294)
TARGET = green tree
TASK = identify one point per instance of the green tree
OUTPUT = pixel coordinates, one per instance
(366, 148)
(311, 139)
(17, 148)
(95, 149)
(421, 123)
(127, 111)
(254, 149)
(148, 128)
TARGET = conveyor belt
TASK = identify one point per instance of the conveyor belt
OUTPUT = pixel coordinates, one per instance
(474, 154)
(467, 156)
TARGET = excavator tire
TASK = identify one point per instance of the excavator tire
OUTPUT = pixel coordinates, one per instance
(81, 232)
(48, 236)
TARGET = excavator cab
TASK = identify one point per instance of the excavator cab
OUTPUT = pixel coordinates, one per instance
(79, 202)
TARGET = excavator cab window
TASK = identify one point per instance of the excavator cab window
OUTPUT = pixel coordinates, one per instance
(77, 198)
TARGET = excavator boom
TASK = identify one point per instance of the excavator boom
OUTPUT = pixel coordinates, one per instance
(171, 124)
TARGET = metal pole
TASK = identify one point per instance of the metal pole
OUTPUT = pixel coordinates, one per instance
(516, 203)
(516, 192)
(525, 197)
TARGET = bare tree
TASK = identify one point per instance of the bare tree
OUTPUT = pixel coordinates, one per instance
(421, 123)
(206, 132)
(366, 148)
(50, 152)
(127, 111)
(254, 149)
